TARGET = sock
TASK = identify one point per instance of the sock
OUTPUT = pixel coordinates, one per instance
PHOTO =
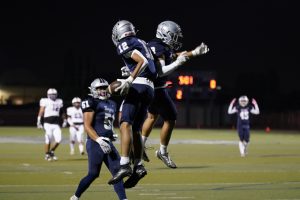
(144, 139)
(124, 160)
(72, 147)
(80, 146)
(242, 148)
(138, 162)
(163, 149)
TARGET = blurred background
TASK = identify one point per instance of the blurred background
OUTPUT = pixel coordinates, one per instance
(254, 47)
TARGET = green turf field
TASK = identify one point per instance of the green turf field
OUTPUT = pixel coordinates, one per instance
(209, 167)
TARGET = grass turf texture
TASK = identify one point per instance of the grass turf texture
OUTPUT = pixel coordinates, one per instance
(209, 167)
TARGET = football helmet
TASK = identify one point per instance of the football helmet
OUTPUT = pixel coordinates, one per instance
(170, 33)
(98, 89)
(52, 93)
(76, 101)
(243, 101)
(122, 28)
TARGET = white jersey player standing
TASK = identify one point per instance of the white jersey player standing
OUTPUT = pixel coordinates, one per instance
(75, 120)
(50, 114)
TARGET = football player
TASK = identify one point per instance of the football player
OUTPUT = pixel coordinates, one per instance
(76, 129)
(99, 114)
(50, 113)
(243, 110)
(138, 92)
(166, 48)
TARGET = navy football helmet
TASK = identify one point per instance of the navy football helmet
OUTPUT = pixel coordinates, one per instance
(170, 33)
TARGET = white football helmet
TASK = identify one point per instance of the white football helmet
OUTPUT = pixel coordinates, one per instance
(94, 89)
(243, 101)
(76, 100)
(122, 28)
(170, 33)
(52, 93)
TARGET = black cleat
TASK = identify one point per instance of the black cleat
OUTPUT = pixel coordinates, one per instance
(138, 173)
(125, 170)
(145, 156)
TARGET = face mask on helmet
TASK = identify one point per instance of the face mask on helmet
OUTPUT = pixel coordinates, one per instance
(76, 101)
(98, 89)
(52, 94)
(243, 101)
(170, 33)
(122, 29)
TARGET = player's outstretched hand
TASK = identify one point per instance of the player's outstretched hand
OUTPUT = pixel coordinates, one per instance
(254, 101)
(233, 101)
(39, 125)
(182, 58)
(104, 144)
(200, 50)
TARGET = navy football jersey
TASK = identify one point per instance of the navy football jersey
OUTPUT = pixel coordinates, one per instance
(104, 116)
(161, 49)
(127, 45)
(243, 115)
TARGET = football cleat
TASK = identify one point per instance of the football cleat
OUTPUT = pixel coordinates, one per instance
(74, 198)
(52, 155)
(166, 159)
(47, 157)
(125, 170)
(145, 156)
(138, 173)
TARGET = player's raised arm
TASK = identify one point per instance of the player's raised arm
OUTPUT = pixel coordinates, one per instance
(232, 109)
(255, 109)
(199, 50)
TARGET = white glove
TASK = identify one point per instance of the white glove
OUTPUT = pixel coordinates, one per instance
(125, 71)
(200, 50)
(65, 123)
(104, 144)
(182, 58)
(39, 123)
(124, 87)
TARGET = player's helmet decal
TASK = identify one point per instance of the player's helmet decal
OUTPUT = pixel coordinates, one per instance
(170, 33)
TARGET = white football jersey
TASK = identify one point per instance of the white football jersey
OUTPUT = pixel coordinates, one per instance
(52, 108)
(75, 114)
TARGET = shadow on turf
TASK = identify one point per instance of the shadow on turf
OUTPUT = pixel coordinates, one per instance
(183, 167)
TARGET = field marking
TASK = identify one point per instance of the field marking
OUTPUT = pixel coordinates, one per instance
(40, 140)
(141, 187)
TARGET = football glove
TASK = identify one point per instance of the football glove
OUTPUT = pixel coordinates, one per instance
(104, 144)
(200, 50)
(125, 71)
(125, 85)
(39, 123)
(181, 59)
(65, 123)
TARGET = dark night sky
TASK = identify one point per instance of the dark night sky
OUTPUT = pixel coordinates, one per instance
(254, 45)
